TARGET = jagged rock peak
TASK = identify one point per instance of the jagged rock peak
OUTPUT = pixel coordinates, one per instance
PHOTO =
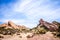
(11, 24)
(48, 25)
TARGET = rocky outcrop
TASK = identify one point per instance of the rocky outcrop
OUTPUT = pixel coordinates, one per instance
(56, 23)
(44, 31)
(11, 24)
(50, 26)
(3, 25)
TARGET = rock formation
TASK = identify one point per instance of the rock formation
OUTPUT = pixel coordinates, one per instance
(3, 25)
(11, 24)
(43, 31)
(50, 26)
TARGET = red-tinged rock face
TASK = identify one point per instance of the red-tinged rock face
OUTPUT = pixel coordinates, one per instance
(48, 25)
(41, 21)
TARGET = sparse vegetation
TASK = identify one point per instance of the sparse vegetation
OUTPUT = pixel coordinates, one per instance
(35, 30)
(29, 36)
(1, 36)
(11, 31)
(20, 36)
(8, 31)
(57, 32)
(40, 30)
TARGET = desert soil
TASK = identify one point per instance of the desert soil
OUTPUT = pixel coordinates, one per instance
(23, 36)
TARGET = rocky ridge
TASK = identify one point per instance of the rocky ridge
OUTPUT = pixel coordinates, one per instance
(50, 31)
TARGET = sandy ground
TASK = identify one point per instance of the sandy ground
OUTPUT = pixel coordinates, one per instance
(22, 36)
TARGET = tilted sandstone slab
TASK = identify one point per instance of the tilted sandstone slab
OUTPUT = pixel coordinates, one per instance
(48, 25)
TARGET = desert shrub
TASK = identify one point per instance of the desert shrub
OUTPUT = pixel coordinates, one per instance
(8, 31)
(57, 32)
(39, 30)
(20, 36)
(24, 30)
(29, 36)
(1, 36)
(12, 31)
(43, 30)
(18, 33)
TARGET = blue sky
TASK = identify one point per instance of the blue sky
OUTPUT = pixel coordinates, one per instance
(29, 12)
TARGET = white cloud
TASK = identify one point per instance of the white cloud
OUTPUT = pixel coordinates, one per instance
(33, 10)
